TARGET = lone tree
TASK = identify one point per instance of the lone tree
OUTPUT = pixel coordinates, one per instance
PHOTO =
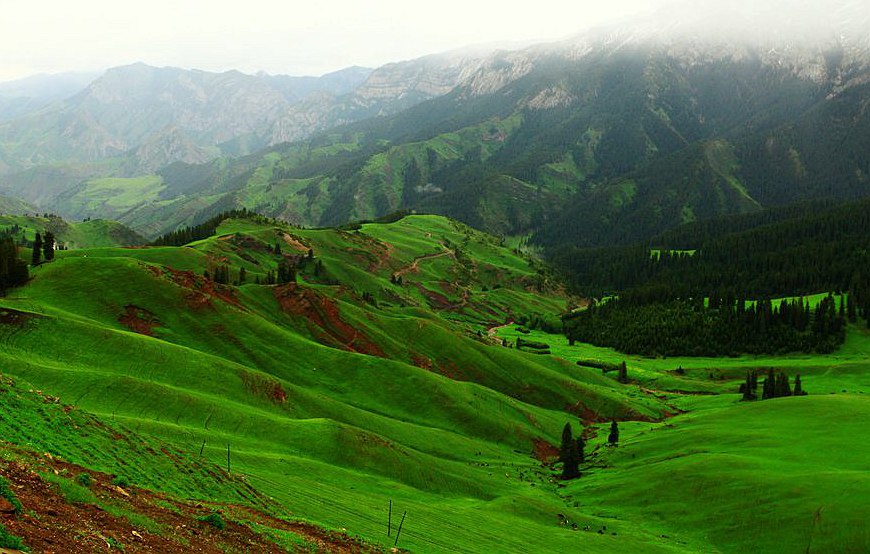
(48, 246)
(798, 388)
(37, 250)
(613, 438)
(13, 270)
(748, 387)
(623, 373)
(569, 454)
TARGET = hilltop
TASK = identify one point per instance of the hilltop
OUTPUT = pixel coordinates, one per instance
(388, 374)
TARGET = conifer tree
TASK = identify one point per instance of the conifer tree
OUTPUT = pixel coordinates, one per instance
(569, 455)
(613, 438)
(798, 388)
(768, 387)
(747, 387)
(623, 373)
(13, 270)
(783, 388)
(48, 246)
(37, 250)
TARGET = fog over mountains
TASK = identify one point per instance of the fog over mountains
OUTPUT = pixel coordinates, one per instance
(694, 112)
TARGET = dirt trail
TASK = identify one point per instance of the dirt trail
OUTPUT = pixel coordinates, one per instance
(491, 331)
(413, 266)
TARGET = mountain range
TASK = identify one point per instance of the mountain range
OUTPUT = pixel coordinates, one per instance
(606, 137)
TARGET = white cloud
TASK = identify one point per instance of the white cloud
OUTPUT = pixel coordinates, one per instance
(275, 36)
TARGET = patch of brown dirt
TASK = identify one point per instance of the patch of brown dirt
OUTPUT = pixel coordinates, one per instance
(139, 320)
(437, 301)
(586, 414)
(50, 524)
(8, 316)
(264, 387)
(294, 243)
(421, 361)
(201, 291)
(324, 315)
(545, 452)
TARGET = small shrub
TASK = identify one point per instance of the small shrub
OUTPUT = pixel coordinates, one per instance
(6, 492)
(215, 520)
(121, 481)
(8, 540)
(84, 479)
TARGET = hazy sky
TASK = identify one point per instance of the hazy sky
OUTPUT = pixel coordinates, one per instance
(292, 37)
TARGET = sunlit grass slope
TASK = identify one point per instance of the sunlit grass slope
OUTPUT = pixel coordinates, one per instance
(374, 379)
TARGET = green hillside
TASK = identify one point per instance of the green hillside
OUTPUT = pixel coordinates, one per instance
(90, 233)
(380, 378)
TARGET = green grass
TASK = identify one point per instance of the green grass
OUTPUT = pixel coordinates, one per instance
(443, 425)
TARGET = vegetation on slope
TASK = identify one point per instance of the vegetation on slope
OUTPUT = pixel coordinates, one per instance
(382, 375)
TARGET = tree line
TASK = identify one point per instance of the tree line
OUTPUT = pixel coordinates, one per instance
(721, 327)
(777, 255)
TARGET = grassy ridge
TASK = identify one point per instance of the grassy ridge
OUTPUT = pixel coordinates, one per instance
(333, 404)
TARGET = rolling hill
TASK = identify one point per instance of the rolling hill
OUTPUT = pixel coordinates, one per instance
(384, 377)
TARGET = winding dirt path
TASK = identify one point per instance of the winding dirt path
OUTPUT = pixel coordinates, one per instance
(413, 266)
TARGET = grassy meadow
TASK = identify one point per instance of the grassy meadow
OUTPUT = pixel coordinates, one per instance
(381, 377)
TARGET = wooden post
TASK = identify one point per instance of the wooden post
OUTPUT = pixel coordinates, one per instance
(390, 517)
(399, 531)
(201, 448)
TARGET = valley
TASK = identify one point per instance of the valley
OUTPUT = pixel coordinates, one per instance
(351, 389)
(605, 291)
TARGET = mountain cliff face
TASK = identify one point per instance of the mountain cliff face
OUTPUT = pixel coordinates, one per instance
(389, 90)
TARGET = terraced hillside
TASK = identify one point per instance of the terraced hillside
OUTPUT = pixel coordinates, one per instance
(378, 380)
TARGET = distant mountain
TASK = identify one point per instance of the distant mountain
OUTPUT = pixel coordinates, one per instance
(191, 115)
(23, 96)
(607, 137)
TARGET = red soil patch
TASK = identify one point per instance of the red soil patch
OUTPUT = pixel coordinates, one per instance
(325, 316)
(587, 415)
(545, 452)
(50, 524)
(201, 291)
(264, 387)
(139, 320)
(437, 301)
(421, 361)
